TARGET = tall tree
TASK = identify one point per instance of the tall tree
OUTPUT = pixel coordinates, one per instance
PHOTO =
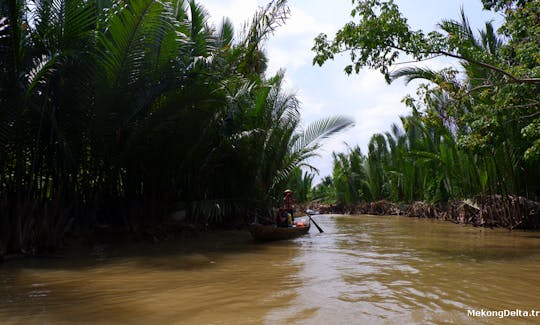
(492, 107)
(118, 112)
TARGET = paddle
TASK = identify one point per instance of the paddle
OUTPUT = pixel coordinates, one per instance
(310, 218)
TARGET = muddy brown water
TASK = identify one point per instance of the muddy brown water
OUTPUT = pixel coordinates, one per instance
(361, 270)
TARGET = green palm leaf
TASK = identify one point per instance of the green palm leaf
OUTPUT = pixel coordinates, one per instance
(319, 130)
(123, 44)
(413, 73)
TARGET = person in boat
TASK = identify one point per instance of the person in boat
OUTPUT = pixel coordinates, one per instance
(282, 218)
(285, 217)
(288, 201)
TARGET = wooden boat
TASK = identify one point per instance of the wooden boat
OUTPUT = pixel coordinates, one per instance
(272, 232)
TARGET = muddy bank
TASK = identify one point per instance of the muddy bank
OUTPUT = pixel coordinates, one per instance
(512, 212)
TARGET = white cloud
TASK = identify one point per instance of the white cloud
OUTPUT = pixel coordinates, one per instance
(293, 59)
(239, 11)
(300, 23)
(291, 44)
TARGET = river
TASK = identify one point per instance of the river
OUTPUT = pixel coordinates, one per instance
(361, 270)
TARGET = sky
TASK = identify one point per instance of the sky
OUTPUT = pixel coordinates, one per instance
(327, 91)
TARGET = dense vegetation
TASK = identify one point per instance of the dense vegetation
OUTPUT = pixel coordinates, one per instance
(117, 113)
(472, 131)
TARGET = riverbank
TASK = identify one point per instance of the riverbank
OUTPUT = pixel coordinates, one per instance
(512, 212)
(168, 230)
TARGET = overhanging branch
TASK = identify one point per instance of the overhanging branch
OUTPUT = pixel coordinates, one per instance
(480, 63)
(491, 67)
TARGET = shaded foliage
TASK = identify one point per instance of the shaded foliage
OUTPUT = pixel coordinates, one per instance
(117, 113)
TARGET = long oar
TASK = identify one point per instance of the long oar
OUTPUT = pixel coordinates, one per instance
(316, 225)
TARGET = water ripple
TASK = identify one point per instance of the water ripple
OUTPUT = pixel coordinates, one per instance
(361, 270)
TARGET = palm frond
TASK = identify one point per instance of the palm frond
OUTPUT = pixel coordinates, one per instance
(226, 33)
(122, 46)
(490, 42)
(265, 22)
(321, 129)
(4, 28)
(166, 47)
(202, 45)
(460, 31)
(42, 67)
(413, 73)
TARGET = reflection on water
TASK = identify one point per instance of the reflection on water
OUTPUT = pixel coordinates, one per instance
(361, 270)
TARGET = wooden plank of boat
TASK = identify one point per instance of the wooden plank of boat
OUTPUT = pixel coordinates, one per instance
(272, 232)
